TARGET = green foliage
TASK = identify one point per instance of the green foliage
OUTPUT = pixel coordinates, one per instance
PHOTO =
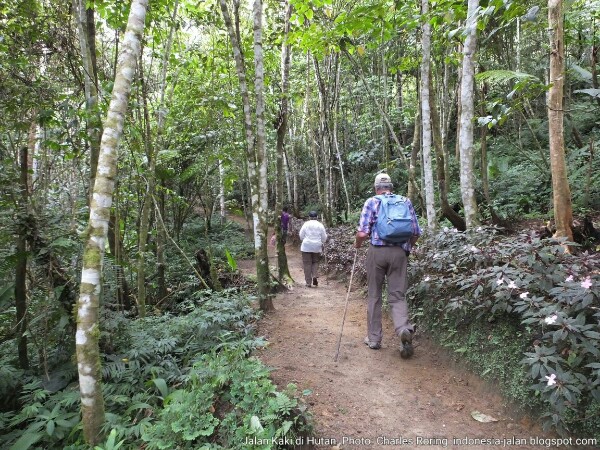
(45, 417)
(228, 401)
(173, 362)
(529, 298)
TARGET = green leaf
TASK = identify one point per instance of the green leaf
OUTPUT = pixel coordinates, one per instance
(161, 385)
(503, 76)
(585, 74)
(255, 424)
(26, 441)
(591, 92)
(50, 427)
(231, 262)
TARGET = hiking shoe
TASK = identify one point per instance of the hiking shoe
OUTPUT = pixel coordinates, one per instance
(406, 348)
(372, 345)
(308, 285)
(315, 282)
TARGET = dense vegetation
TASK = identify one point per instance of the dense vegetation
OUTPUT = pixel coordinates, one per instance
(217, 121)
(518, 309)
(180, 378)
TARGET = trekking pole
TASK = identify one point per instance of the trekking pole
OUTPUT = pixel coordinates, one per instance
(337, 353)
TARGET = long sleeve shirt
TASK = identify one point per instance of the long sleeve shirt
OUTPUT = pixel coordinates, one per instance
(313, 236)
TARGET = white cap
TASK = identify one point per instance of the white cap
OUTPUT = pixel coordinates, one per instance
(383, 178)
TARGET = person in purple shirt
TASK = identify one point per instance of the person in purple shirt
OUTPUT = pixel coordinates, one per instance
(285, 222)
(386, 260)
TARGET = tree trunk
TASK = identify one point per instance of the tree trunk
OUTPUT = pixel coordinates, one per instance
(413, 194)
(161, 244)
(222, 214)
(87, 47)
(467, 176)
(325, 106)
(255, 152)
(441, 166)
(150, 179)
(88, 333)
(115, 245)
(21, 257)
(563, 212)
(426, 116)
(281, 127)
(260, 218)
(484, 163)
(161, 233)
(337, 147)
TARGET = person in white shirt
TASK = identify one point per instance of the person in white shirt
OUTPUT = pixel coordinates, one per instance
(313, 237)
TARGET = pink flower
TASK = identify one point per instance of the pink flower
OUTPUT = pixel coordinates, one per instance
(524, 295)
(551, 379)
(569, 278)
(500, 281)
(587, 283)
(551, 319)
(512, 285)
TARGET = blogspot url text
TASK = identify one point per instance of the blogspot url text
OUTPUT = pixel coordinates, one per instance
(424, 441)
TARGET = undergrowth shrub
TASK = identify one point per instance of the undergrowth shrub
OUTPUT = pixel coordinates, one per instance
(228, 403)
(145, 362)
(523, 298)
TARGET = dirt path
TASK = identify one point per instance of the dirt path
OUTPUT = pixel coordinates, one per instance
(373, 399)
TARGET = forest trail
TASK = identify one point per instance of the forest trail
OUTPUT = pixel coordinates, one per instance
(373, 399)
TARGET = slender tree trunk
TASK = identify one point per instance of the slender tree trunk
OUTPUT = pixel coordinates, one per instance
(441, 165)
(458, 110)
(255, 152)
(21, 257)
(426, 116)
(161, 233)
(385, 141)
(221, 192)
(594, 59)
(484, 163)
(87, 47)
(88, 333)
(150, 181)
(288, 182)
(588, 176)
(161, 244)
(518, 44)
(325, 104)
(402, 129)
(467, 176)
(413, 194)
(265, 299)
(563, 211)
(281, 126)
(337, 147)
(115, 244)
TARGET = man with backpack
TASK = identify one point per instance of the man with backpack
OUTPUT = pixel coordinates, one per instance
(390, 223)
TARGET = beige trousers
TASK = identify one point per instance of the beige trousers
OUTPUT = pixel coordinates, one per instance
(310, 261)
(389, 263)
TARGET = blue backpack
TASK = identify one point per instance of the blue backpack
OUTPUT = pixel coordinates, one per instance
(394, 220)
